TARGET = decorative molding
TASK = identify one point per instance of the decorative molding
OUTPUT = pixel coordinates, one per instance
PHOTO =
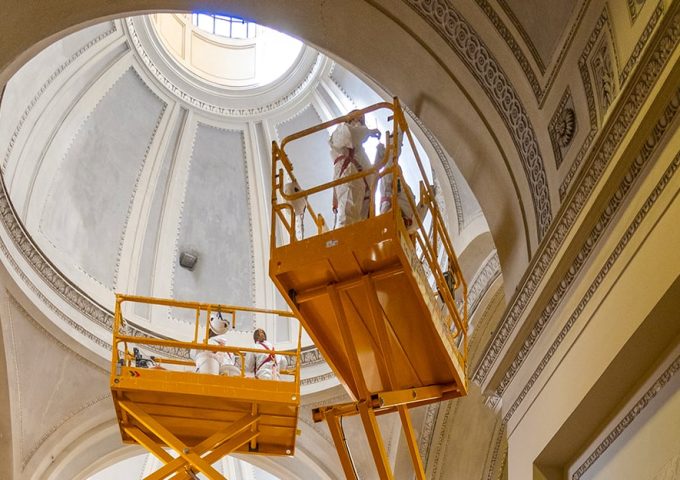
(465, 42)
(541, 93)
(210, 107)
(516, 50)
(480, 323)
(642, 41)
(563, 52)
(439, 449)
(318, 379)
(604, 76)
(522, 33)
(592, 289)
(644, 401)
(57, 282)
(654, 63)
(590, 97)
(45, 86)
(427, 431)
(588, 247)
(496, 453)
(340, 87)
(310, 356)
(482, 280)
(562, 127)
(634, 9)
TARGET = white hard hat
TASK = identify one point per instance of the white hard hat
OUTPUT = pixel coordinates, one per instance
(218, 324)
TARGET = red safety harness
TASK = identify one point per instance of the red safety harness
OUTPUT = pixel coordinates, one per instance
(347, 160)
(270, 357)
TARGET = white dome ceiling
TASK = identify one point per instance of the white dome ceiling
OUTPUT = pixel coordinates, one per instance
(122, 161)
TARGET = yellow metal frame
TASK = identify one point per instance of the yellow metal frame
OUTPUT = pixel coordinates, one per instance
(157, 407)
(429, 241)
(387, 237)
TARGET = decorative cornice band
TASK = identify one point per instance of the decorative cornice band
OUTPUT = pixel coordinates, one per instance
(427, 432)
(628, 419)
(318, 379)
(465, 42)
(572, 208)
(483, 280)
(615, 201)
(654, 63)
(590, 100)
(641, 43)
(541, 93)
(590, 293)
(495, 455)
(210, 107)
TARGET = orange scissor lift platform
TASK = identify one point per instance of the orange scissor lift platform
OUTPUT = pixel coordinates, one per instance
(202, 417)
(373, 296)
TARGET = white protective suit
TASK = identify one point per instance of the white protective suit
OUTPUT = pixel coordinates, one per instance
(299, 208)
(265, 365)
(216, 363)
(351, 201)
(403, 191)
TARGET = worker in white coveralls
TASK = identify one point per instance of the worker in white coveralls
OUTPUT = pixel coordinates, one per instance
(223, 363)
(403, 190)
(299, 207)
(351, 200)
(266, 365)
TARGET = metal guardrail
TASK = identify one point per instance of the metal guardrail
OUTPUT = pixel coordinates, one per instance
(123, 345)
(426, 241)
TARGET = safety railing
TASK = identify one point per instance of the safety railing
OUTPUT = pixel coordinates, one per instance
(176, 353)
(427, 234)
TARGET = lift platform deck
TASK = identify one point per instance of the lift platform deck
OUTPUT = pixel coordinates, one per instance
(383, 298)
(364, 298)
(161, 402)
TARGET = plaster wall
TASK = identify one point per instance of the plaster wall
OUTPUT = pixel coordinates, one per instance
(609, 325)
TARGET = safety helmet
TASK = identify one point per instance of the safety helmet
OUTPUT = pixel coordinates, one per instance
(218, 324)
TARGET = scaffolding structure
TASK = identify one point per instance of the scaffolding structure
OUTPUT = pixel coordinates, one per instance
(383, 298)
(164, 405)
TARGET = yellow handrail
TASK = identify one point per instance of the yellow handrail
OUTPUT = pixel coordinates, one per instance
(429, 244)
(125, 357)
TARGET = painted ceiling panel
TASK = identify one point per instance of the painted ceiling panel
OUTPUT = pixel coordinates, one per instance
(89, 198)
(542, 22)
(216, 223)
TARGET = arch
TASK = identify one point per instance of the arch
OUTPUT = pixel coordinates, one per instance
(442, 91)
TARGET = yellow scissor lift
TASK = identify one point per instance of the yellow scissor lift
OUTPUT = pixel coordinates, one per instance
(373, 296)
(202, 417)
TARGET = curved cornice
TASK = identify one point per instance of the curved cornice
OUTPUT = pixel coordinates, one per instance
(626, 111)
(466, 43)
(290, 88)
